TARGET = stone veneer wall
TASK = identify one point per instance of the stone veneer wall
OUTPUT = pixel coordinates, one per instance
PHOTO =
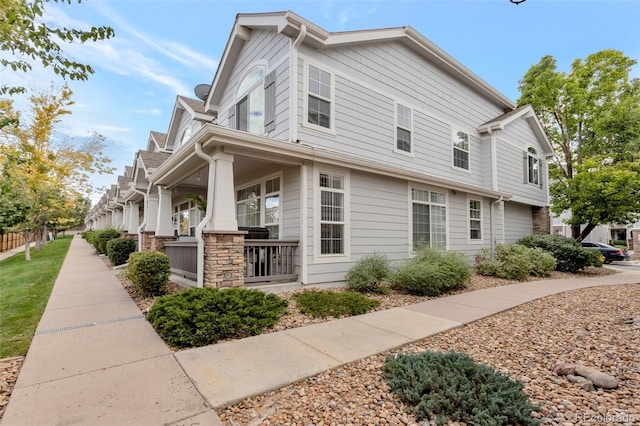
(157, 242)
(541, 220)
(635, 243)
(223, 259)
(147, 240)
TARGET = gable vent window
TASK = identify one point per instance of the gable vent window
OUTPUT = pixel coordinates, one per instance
(319, 101)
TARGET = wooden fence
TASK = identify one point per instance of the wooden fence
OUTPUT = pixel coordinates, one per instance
(9, 241)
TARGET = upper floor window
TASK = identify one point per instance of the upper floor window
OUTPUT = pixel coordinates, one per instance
(249, 108)
(461, 150)
(403, 128)
(475, 220)
(319, 97)
(428, 219)
(533, 167)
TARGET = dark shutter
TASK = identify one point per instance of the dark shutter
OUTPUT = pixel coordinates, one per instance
(541, 171)
(231, 117)
(525, 166)
(270, 102)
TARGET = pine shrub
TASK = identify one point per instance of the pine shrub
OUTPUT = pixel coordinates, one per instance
(570, 255)
(432, 273)
(102, 237)
(324, 303)
(149, 271)
(202, 316)
(119, 249)
(452, 387)
(368, 274)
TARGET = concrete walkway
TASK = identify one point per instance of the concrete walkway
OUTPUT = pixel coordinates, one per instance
(95, 360)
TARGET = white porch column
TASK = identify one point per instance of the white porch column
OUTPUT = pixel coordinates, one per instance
(221, 191)
(164, 221)
(109, 219)
(151, 213)
(117, 218)
(134, 218)
(127, 215)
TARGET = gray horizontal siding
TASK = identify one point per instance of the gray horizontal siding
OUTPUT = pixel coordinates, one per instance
(518, 221)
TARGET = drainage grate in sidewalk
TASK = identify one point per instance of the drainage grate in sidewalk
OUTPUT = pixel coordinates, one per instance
(87, 324)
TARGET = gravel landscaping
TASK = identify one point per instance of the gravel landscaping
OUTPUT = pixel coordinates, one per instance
(588, 326)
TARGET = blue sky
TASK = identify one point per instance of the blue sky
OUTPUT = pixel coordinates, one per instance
(163, 48)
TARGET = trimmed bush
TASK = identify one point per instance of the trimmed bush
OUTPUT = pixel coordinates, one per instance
(323, 303)
(368, 273)
(432, 273)
(89, 235)
(149, 271)
(452, 387)
(569, 254)
(103, 236)
(202, 316)
(514, 262)
(119, 249)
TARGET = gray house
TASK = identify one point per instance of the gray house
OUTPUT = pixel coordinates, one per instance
(326, 147)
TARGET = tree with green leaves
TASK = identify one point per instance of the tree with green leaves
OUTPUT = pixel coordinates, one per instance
(591, 115)
(44, 181)
(22, 32)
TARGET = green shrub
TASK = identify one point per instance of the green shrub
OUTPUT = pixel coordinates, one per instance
(202, 316)
(323, 303)
(119, 249)
(103, 236)
(149, 271)
(570, 255)
(89, 235)
(618, 243)
(452, 387)
(514, 262)
(432, 273)
(368, 273)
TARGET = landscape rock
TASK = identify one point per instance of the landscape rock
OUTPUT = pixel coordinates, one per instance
(582, 383)
(564, 369)
(598, 378)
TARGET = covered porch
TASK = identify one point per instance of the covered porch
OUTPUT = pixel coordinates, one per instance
(234, 211)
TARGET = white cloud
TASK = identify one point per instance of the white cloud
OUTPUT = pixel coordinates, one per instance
(151, 111)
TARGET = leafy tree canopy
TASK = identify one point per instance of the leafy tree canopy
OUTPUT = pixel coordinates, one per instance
(23, 33)
(592, 118)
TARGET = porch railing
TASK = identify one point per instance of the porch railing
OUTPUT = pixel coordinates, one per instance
(183, 258)
(264, 260)
(269, 260)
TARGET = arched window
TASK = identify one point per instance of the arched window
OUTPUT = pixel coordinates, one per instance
(249, 108)
(185, 135)
(533, 166)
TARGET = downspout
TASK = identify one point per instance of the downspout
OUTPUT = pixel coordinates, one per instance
(208, 214)
(293, 98)
(145, 196)
(492, 225)
(303, 222)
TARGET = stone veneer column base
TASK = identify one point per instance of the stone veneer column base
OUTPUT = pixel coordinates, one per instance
(157, 241)
(541, 220)
(635, 243)
(147, 240)
(223, 258)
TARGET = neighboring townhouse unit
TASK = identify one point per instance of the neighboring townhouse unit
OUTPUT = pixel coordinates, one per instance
(326, 147)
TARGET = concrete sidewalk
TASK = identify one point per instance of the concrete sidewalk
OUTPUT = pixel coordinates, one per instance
(95, 360)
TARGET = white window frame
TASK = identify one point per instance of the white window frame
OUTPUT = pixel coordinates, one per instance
(307, 93)
(471, 240)
(420, 187)
(533, 156)
(195, 217)
(263, 199)
(331, 258)
(454, 139)
(239, 96)
(399, 125)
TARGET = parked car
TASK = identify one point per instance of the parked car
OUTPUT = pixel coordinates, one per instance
(610, 253)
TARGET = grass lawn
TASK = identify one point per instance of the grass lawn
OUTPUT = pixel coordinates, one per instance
(24, 291)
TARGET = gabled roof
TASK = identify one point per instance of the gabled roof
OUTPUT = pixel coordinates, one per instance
(194, 108)
(156, 141)
(152, 160)
(128, 171)
(527, 112)
(123, 182)
(296, 27)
